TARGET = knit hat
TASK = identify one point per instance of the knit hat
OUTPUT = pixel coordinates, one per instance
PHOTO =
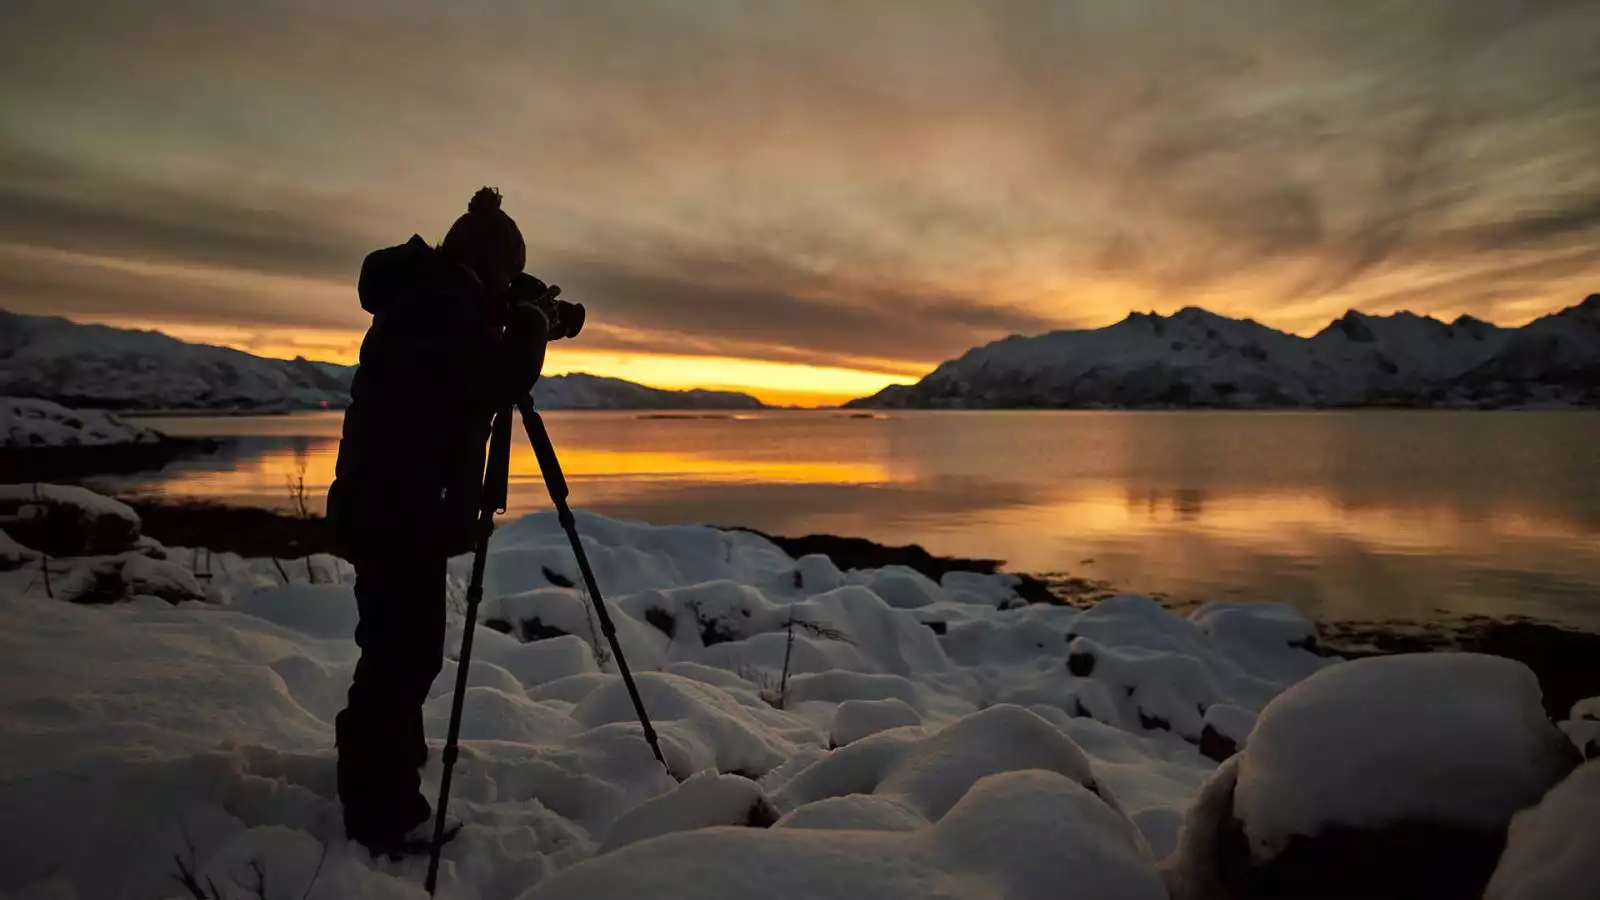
(486, 240)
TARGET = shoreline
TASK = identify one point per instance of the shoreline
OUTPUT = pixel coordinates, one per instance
(1566, 660)
(84, 460)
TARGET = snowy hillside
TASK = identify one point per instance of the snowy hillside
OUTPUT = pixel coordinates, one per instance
(1197, 358)
(95, 366)
(583, 391)
(28, 424)
(932, 740)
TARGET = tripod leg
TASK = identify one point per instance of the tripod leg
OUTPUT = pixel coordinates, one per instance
(493, 498)
(556, 482)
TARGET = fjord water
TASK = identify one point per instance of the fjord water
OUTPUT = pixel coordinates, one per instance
(1369, 515)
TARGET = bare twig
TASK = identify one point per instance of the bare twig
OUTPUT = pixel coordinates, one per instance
(788, 653)
(817, 629)
(316, 873)
(44, 566)
(187, 872)
(296, 485)
(281, 570)
(311, 574)
(261, 879)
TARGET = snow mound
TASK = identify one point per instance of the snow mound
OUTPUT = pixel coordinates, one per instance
(1452, 737)
(856, 719)
(704, 800)
(1016, 836)
(936, 772)
(66, 520)
(28, 424)
(142, 575)
(1550, 851)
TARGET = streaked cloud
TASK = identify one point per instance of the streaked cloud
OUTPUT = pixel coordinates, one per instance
(870, 187)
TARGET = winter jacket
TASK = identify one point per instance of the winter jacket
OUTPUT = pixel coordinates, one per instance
(433, 371)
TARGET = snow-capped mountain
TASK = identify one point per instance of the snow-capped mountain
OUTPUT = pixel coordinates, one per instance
(99, 367)
(583, 391)
(96, 366)
(1198, 358)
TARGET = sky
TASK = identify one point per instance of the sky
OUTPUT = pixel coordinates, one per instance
(806, 200)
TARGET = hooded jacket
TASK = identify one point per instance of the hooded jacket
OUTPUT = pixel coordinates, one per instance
(411, 456)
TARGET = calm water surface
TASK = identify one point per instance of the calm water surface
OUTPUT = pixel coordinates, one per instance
(1358, 515)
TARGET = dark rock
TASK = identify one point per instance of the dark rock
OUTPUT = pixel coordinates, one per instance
(1216, 745)
(1403, 860)
(1150, 722)
(1080, 663)
(762, 814)
(661, 619)
(556, 578)
(1566, 662)
(535, 630)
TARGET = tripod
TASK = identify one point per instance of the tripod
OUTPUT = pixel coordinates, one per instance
(496, 478)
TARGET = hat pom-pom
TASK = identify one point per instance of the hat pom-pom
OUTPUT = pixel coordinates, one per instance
(486, 200)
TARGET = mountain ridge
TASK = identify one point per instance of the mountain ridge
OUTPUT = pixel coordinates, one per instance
(1196, 358)
(90, 366)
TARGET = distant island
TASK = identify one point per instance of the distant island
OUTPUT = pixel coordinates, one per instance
(1197, 359)
(105, 368)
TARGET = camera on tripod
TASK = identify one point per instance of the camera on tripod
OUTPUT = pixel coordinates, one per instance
(565, 319)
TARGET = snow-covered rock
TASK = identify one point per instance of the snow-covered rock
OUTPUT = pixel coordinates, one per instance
(1384, 777)
(162, 578)
(29, 424)
(856, 719)
(1454, 737)
(67, 520)
(704, 800)
(1550, 851)
(1198, 358)
(1018, 835)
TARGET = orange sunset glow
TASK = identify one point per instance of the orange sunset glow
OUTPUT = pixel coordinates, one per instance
(811, 203)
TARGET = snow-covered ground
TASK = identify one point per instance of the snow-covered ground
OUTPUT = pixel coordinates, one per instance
(27, 424)
(1025, 752)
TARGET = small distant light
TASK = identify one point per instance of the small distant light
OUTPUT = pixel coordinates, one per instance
(324, 404)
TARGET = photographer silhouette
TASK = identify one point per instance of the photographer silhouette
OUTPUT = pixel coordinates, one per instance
(451, 344)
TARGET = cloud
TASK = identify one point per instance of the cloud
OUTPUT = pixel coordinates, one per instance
(58, 203)
(830, 182)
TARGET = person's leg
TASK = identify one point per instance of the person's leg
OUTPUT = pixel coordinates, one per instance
(400, 599)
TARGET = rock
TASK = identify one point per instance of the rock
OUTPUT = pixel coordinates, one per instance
(65, 520)
(1392, 777)
(1216, 745)
(1565, 661)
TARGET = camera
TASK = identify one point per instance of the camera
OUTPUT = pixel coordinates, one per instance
(565, 319)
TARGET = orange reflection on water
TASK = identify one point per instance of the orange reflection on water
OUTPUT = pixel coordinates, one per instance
(581, 463)
(316, 460)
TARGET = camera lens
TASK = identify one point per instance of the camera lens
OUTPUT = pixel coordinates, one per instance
(572, 319)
